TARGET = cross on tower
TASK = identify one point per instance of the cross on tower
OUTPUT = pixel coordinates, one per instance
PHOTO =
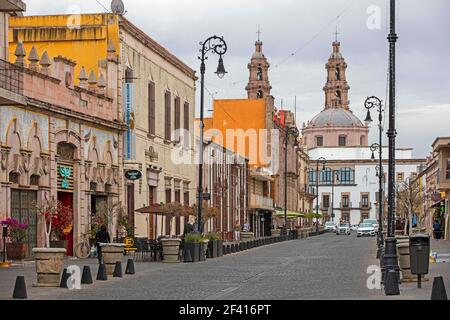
(259, 33)
(336, 34)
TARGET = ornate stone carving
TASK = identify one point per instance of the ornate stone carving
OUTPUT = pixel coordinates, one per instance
(26, 160)
(4, 158)
(45, 164)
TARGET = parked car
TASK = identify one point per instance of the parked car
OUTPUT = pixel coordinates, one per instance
(330, 226)
(365, 229)
(343, 228)
(374, 222)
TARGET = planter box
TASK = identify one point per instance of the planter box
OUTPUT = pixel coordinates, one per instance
(275, 232)
(49, 262)
(112, 252)
(58, 244)
(194, 250)
(171, 250)
(219, 248)
(16, 251)
(201, 254)
(213, 249)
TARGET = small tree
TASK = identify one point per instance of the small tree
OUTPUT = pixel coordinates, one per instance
(207, 212)
(109, 212)
(49, 210)
(173, 210)
(409, 201)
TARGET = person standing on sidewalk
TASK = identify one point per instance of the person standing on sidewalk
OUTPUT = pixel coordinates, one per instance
(237, 231)
(102, 236)
(437, 230)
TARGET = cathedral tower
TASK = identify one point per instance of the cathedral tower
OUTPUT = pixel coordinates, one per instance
(258, 86)
(336, 88)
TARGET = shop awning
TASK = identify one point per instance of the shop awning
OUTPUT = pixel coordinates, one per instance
(154, 208)
(290, 214)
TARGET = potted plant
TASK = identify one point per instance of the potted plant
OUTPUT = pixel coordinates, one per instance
(16, 249)
(49, 261)
(213, 244)
(192, 247)
(171, 245)
(61, 227)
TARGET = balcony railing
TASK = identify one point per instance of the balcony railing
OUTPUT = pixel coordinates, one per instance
(345, 205)
(259, 201)
(11, 77)
(365, 205)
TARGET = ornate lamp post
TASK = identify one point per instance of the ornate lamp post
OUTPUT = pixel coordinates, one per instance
(218, 46)
(335, 178)
(323, 161)
(291, 131)
(390, 252)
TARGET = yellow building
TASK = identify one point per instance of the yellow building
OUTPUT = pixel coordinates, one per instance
(155, 94)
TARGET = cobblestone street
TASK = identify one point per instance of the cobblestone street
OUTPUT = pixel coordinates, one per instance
(323, 267)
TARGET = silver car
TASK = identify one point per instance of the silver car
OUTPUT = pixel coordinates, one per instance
(343, 228)
(330, 226)
(365, 229)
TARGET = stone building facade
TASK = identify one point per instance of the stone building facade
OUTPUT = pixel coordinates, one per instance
(62, 142)
(153, 92)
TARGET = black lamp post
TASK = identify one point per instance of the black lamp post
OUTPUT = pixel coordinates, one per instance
(335, 177)
(291, 131)
(390, 253)
(323, 161)
(379, 169)
(218, 46)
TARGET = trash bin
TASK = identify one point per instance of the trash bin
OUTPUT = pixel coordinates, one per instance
(419, 248)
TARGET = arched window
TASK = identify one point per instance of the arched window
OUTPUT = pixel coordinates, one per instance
(259, 94)
(361, 140)
(326, 176)
(128, 75)
(312, 176)
(346, 176)
(66, 151)
(14, 177)
(34, 180)
(338, 74)
(319, 141)
(338, 94)
(259, 74)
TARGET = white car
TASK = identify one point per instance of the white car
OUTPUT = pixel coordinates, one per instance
(343, 228)
(374, 222)
(330, 226)
(354, 227)
(365, 229)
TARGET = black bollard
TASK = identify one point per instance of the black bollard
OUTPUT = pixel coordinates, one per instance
(118, 270)
(391, 286)
(86, 277)
(130, 267)
(101, 274)
(20, 288)
(64, 277)
(438, 292)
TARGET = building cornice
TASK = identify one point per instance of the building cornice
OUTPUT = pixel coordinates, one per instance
(50, 109)
(153, 45)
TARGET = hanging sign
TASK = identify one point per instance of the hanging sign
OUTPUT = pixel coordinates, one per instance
(133, 175)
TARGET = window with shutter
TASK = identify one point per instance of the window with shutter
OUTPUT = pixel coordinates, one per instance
(151, 108)
(186, 123)
(177, 116)
(167, 116)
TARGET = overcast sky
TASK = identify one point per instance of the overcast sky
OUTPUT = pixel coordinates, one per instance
(297, 37)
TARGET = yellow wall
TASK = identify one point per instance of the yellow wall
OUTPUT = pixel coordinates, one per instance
(58, 35)
(235, 114)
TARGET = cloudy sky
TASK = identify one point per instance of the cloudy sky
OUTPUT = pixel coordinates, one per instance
(297, 37)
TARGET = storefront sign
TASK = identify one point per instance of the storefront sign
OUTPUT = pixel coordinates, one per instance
(133, 175)
(65, 173)
(130, 244)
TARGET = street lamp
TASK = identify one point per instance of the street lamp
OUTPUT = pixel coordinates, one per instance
(370, 103)
(218, 46)
(335, 175)
(323, 161)
(293, 131)
(390, 251)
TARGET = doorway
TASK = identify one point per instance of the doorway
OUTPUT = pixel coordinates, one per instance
(22, 208)
(66, 199)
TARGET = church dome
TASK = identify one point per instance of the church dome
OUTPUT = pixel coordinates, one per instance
(336, 117)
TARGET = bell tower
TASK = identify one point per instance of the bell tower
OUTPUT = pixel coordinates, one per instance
(336, 88)
(258, 86)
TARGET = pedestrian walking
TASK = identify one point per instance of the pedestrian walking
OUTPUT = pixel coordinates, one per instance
(237, 231)
(246, 226)
(101, 236)
(437, 229)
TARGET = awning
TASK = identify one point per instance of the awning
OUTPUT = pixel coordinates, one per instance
(289, 214)
(154, 208)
